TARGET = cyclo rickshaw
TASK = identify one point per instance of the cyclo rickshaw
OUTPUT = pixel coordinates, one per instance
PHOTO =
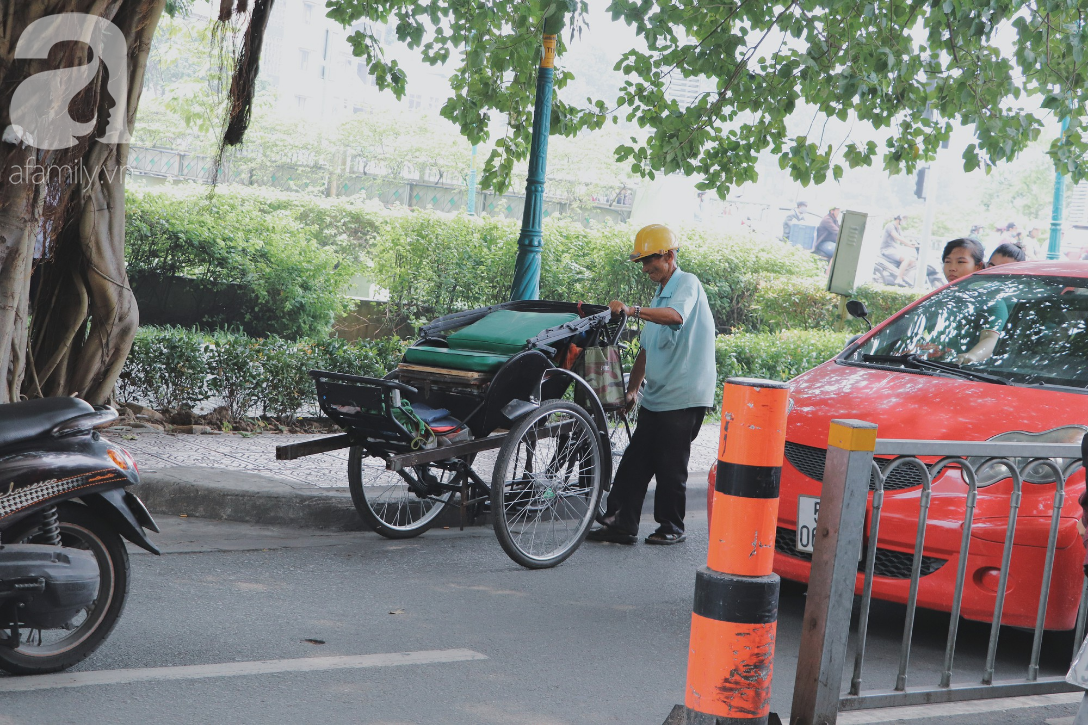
(494, 378)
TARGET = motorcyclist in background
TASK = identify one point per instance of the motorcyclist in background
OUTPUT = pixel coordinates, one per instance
(796, 217)
(894, 246)
(827, 234)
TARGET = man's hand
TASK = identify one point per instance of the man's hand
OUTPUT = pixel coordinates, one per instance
(617, 307)
(631, 398)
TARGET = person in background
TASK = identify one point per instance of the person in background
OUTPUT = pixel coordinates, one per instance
(896, 248)
(1006, 254)
(796, 217)
(1032, 244)
(1010, 234)
(827, 234)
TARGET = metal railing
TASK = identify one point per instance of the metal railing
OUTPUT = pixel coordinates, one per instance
(845, 505)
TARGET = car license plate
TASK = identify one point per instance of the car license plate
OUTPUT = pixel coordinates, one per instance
(808, 510)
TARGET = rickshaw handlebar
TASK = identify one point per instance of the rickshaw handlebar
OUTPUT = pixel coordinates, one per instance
(328, 375)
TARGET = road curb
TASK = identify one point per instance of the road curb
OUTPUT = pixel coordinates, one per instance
(216, 493)
(253, 498)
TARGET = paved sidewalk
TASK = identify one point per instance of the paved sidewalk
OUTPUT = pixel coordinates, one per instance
(236, 477)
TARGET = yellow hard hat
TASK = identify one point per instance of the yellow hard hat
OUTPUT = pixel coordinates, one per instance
(653, 239)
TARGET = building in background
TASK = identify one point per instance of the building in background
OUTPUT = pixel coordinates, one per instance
(309, 66)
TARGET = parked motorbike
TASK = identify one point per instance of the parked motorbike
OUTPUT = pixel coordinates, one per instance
(64, 508)
(885, 271)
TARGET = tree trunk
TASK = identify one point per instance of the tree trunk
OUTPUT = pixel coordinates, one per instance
(67, 313)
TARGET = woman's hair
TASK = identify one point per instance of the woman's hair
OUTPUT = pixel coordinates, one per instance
(1013, 251)
(974, 248)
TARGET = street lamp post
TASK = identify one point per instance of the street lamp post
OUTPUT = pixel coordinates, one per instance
(470, 197)
(1054, 248)
(526, 284)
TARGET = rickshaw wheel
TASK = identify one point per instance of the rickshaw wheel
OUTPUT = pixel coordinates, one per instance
(545, 489)
(621, 424)
(385, 501)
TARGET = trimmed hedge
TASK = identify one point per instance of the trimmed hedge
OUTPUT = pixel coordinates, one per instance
(174, 367)
(434, 264)
(291, 255)
(803, 303)
(777, 355)
(290, 284)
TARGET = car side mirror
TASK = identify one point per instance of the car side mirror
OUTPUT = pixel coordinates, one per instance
(857, 309)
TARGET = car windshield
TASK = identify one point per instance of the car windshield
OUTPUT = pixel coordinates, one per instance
(1041, 325)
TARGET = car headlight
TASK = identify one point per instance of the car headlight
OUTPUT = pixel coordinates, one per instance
(1038, 473)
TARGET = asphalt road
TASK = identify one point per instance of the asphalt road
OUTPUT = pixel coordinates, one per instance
(600, 639)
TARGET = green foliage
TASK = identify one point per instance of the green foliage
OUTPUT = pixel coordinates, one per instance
(175, 367)
(433, 264)
(1022, 189)
(346, 226)
(884, 301)
(803, 303)
(291, 285)
(235, 373)
(500, 50)
(883, 65)
(177, 7)
(168, 367)
(777, 355)
(286, 387)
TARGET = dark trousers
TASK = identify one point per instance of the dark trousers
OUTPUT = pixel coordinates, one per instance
(660, 446)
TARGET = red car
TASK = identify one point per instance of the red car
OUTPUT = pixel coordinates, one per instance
(1037, 389)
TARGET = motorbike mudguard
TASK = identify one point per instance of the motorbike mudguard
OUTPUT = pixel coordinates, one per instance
(46, 472)
(115, 507)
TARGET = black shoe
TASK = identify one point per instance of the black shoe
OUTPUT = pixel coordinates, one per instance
(662, 539)
(607, 533)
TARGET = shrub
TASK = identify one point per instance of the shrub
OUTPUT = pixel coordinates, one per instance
(775, 356)
(433, 264)
(347, 226)
(803, 303)
(372, 358)
(166, 367)
(884, 301)
(175, 367)
(290, 285)
(235, 373)
(286, 387)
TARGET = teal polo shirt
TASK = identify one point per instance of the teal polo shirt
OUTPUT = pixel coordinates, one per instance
(680, 370)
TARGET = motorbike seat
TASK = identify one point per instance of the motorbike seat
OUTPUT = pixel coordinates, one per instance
(33, 418)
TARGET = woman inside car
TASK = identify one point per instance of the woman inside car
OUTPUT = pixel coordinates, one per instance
(961, 258)
(1006, 253)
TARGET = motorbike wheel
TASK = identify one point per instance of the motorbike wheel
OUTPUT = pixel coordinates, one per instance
(53, 650)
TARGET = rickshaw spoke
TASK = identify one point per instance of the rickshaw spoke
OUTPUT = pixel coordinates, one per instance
(388, 501)
(545, 513)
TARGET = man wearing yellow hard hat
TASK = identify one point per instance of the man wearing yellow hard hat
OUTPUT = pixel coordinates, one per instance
(676, 359)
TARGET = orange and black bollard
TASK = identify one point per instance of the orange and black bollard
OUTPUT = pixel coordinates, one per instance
(735, 614)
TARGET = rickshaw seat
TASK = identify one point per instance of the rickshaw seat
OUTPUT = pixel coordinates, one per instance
(505, 332)
(485, 345)
(445, 357)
